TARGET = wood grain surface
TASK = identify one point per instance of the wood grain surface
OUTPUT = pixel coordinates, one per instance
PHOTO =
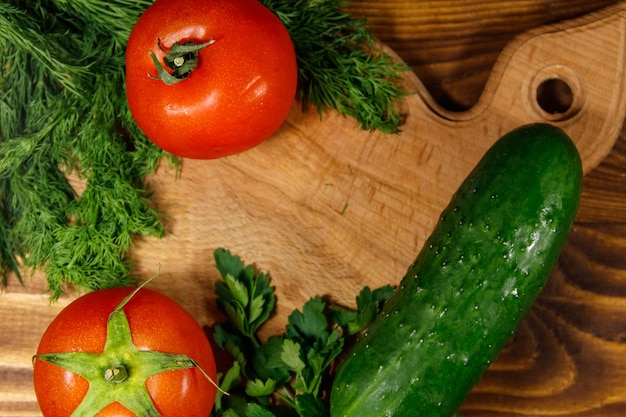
(322, 221)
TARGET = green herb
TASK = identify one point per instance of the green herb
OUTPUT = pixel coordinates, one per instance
(340, 64)
(63, 111)
(289, 374)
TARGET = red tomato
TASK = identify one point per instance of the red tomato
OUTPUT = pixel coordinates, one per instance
(239, 93)
(157, 324)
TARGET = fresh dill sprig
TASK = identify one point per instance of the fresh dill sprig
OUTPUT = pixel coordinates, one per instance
(63, 111)
(340, 64)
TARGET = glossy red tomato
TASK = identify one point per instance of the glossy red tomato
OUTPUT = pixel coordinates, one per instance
(161, 334)
(239, 88)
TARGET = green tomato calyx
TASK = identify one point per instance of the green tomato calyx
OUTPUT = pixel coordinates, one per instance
(180, 60)
(119, 372)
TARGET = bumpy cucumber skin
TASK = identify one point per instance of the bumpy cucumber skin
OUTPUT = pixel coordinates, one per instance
(474, 280)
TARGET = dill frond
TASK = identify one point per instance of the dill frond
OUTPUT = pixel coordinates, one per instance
(340, 64)
(64, 110)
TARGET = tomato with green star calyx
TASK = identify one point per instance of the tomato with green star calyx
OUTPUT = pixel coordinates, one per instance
(124, 352)
(207, 79)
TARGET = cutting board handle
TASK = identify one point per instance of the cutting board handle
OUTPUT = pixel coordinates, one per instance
(570, 74)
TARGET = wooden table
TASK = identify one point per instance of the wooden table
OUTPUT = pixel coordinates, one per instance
(568, 357)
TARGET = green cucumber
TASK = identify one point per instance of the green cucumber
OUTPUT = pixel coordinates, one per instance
(476, 277)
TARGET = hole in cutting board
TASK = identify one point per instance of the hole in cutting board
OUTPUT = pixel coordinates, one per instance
(556, 93)
(555, 96)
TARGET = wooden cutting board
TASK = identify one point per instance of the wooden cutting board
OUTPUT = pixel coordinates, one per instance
(327, 208)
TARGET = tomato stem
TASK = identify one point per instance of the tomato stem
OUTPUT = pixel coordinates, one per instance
(181, 59)
(116, 374)
(126, 299)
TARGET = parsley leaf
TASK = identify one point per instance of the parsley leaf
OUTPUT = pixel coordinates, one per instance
(258, 388)
(227, 382)
(368, 304)
(246, 298)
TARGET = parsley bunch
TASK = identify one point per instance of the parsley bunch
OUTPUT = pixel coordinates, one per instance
(289, 374)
